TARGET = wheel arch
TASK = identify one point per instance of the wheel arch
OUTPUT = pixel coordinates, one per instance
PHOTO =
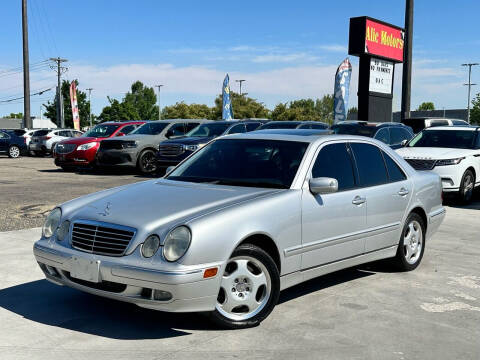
(421, 212)
(266, 243)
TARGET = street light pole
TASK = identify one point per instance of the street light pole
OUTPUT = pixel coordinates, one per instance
(27, 121)
(159, 107)
(469, 87)
(240, 81)
(90, 106)
(407, 61)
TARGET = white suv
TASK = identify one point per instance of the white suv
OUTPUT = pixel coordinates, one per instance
(452, 152)
(44, 140)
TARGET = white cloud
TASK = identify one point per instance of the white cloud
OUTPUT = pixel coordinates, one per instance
(334, 48)
(285, 58)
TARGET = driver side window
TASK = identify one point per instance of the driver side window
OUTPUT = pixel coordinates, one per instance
(335, 161)
(176, 130)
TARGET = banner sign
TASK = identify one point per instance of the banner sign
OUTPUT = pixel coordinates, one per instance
(381, 76)
(227, 110)
(374, 37)
(74, 104)
(341, 91)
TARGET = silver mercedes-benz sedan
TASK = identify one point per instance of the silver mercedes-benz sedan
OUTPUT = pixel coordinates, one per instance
(241, 219)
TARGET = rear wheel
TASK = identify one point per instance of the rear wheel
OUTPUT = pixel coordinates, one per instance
(147, 162)
(466, 187)
(412, 244)
(13, 151)
(249, 289)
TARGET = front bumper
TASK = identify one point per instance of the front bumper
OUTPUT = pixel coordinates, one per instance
(121, 278)
(76, 158)
(166, 161)
(125, 157)
(451, 176)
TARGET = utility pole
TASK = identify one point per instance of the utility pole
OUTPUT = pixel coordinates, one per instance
(407, 61)
(90, 106)
(60, 70)
(240, 81)
(27, 121)
(159, 108)
(469, 87)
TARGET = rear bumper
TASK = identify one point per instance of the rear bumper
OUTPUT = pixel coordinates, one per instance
(435, 218)
(123, 280)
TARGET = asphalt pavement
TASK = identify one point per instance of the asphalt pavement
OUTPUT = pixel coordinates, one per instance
(368, 312)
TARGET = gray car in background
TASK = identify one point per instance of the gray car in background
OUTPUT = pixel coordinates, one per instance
(139, 148)
(243, 218)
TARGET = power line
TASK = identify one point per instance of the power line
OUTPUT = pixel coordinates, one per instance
(20, 68)
(21, 97)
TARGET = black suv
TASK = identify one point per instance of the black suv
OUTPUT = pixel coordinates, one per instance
(171, 152)
(396, 135)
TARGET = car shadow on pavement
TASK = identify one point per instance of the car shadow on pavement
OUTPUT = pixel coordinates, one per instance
(53, 305)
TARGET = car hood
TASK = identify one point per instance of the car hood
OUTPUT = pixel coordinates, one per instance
(81, 140)
(194, 140)
(157, 205)
(432, 153)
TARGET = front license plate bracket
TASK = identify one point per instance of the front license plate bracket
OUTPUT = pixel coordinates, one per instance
(85, 269)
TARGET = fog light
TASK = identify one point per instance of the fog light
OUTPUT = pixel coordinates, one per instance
(161, 295)
(52, 271)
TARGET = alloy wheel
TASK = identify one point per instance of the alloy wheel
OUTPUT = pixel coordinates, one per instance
(413, 242)
(14, 152)
(467, 187)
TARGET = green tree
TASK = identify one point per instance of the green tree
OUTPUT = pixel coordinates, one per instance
(475, 110)
(426, 106)
(305, 109)
(83, 106)
(15, 116)
(243, 107)
(184, 111)
(138, 104)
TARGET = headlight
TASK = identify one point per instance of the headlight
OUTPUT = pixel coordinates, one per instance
(129, 144)
(86, 146)
(191, 147)
(150, 246)
(62, 231)
(52, 222)
(177, 243)
(449, 162)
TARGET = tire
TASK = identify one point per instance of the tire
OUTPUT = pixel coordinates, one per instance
(249, 289)
(147, 162)
(14, 152)
(52, 149)
(467, 186)
(409, 255)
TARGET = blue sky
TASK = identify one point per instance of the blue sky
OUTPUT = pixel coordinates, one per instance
(285, 50)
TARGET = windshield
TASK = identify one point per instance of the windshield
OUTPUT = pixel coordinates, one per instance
(244, 162)
(457, 139)
(349, 129)
(101, 131)
(209, 130)
(150, 129)
(279, 125)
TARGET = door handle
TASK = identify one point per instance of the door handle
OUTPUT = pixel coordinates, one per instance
(403, 192)
(358, 200)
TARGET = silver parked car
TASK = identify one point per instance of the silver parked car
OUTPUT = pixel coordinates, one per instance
(241, 219)
(44, 140)
(139, 148)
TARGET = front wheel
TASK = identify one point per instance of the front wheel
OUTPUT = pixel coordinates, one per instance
(249, 289)
(412, 244)
(466, 187)
(147, 162)
(13, 151)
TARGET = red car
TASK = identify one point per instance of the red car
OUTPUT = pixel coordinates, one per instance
(81, 151)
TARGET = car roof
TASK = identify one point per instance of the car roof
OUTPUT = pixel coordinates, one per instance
(298, 132)
(367, 123)
(287, 122)
(169, 121)
(453, 127)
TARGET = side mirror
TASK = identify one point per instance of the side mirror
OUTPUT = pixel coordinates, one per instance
(120, 134)
(323, 185)
(404, 142)
(170, 168)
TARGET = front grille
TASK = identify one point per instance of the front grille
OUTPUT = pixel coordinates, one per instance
(421, 164)
(65, 148)
(171, 150)
(111, 145)
(104, 285)
(101, 239)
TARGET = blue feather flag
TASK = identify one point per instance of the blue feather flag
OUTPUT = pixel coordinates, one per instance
(341, 91)
(227, 110)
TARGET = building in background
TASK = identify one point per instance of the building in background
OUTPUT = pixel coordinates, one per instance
(10, 123)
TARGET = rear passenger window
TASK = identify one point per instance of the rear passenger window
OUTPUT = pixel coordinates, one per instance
(370, 164)
(237, 129)
(398, 135)
(334, 161)
(252, 126)
(394, 171)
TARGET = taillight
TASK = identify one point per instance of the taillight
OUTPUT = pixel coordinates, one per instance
(47, 137)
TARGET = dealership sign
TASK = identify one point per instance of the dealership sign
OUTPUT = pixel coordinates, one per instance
(381, 76)
(375, 38)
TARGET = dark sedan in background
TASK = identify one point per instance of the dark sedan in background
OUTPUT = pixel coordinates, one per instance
(396, 135)
(12, 144)
(171, 152)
